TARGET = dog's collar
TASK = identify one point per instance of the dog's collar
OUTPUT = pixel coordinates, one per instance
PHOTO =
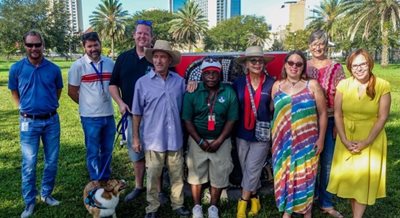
(91, 200)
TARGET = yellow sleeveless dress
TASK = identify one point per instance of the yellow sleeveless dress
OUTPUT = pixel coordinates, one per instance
(360, 176)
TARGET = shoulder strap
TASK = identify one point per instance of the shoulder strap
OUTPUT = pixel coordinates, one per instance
(253, 106)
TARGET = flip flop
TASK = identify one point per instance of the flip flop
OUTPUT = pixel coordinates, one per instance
(332, 212)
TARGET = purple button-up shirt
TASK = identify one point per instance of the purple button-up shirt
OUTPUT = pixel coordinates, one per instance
(159, 102)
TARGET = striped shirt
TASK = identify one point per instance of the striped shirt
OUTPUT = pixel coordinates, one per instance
(94, 97)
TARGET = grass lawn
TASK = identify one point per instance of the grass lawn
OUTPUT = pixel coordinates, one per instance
(72, 175)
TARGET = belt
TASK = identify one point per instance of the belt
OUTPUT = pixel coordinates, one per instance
(39, 116)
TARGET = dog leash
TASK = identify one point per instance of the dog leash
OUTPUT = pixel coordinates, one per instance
(121, 128)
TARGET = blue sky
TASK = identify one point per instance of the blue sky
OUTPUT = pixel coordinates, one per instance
(270, 9)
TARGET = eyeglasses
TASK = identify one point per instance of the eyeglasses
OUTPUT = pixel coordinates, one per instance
(90, 35)
(30, 45)
(318, 44)
(356, 66)
(144, 22)
(255, 61)
(298, 64)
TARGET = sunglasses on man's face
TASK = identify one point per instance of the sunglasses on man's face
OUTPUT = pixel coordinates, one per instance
(30, 45)
(145, 22)
(298, 64)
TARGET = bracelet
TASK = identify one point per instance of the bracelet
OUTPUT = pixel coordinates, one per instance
(201, 141)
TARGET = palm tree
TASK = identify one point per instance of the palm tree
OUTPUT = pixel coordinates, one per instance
(109, 19)
(326, 15)
(189, 24)
(372, 14)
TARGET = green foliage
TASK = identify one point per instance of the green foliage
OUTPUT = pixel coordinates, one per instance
(237, 33)
(189, 24)
(296, 40)
(109, 20)
(161, 22)
(18, 17)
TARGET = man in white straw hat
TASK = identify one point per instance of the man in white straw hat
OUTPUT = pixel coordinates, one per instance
(157, 102)
(209, 114)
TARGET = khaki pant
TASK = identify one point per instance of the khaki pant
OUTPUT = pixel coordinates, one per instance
(155, 162)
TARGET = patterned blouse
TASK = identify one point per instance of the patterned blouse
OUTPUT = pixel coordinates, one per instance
(328, 77)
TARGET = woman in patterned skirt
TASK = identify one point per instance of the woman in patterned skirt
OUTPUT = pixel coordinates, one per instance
(298, 133)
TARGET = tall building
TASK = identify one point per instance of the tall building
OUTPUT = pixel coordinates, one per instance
(175, 5)
(218, 10)
(74, 9)
(297, 17)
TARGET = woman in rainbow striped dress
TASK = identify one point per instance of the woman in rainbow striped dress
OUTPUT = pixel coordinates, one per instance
(298, 133)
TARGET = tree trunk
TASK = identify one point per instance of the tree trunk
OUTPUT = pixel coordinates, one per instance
(112, 47)
(385, 46)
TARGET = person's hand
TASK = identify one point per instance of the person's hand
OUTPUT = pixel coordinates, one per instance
(214, 146)
(349, 145)
(359, 146)
(319, 146)
(136, 146)
(123, 108)
(191, 86)
(204, 145)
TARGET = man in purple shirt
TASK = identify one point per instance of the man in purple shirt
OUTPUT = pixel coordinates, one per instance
(157, 102)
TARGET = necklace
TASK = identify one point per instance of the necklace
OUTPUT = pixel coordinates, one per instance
(293, 83)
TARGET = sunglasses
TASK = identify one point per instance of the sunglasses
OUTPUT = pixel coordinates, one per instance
(30, 45)
(145, 22)
(255, 61)
(91, 35)
(298, 64)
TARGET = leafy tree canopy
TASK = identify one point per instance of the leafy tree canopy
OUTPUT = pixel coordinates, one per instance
(237, 33)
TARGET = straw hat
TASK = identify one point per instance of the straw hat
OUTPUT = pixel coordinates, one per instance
(162, 45)
(254, 51)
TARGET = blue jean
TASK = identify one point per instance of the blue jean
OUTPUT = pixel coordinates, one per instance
(31, 132)
(99, 141)
(324, 197)
(134, 156)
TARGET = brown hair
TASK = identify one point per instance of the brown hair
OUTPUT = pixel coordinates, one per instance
(370, 61)
(303, 57)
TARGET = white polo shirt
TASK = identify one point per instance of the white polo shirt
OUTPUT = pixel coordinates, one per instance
(94, 98)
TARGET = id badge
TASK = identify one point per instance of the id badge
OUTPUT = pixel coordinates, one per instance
(211, 122)
(24, 126)
(105, 97)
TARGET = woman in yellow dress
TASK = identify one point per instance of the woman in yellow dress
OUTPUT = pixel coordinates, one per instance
(361, 108)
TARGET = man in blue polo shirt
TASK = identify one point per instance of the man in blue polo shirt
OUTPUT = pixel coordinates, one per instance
(35, 85)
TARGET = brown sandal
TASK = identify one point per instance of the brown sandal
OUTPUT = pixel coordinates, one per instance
(332, 212)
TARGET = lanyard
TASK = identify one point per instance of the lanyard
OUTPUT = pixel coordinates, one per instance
(211, 106)
(99, 73)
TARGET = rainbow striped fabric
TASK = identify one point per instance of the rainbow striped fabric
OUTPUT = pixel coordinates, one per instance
(294, 133)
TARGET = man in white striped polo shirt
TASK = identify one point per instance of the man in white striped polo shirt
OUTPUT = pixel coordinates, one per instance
(88, 80)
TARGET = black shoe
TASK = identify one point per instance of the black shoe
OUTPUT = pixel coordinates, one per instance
(182, 212)
(151, 215)
(134, 194)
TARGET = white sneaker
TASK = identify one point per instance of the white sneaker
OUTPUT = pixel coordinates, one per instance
(213, 212)
(50, 200)
(28, 211)
(197, 211)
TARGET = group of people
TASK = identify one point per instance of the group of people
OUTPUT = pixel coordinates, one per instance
(297, 117)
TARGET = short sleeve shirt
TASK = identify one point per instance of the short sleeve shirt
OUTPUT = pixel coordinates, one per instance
(159, 102)
(196, 109)
(37, 86)
(129, 67)
(94, 97)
